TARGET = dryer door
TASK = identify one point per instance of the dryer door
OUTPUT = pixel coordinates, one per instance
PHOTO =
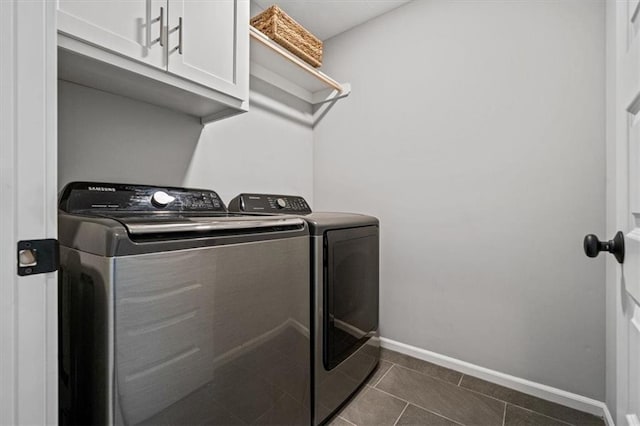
(351, 282)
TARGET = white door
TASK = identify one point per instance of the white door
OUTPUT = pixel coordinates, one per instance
(209, 43)
(623, 193)
(133, 28)
(28, 186)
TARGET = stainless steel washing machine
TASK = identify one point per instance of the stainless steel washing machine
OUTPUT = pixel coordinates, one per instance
(345, 295)
(173, 311)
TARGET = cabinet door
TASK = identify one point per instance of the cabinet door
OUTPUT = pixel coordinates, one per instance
(128, 27)
(209, 43)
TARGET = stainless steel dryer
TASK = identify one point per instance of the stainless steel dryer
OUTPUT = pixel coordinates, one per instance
(173, 311)
(345, 290)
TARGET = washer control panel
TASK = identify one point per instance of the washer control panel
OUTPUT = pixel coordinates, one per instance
(103, 198)
(269, 204)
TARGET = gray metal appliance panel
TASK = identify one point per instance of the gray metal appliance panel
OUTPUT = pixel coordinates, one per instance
(212, 333)
(332, 388)
(86, 347)
(321, 222)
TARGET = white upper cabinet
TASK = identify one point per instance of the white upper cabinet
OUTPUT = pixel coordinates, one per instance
(131, 28)
(208, 44)
(187, 55)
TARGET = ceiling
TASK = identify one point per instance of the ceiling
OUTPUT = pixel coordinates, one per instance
(327, 18)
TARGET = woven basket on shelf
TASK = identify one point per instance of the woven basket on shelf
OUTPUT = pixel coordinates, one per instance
(282, 29)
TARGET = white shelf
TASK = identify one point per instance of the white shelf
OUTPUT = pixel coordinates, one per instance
(277, 66)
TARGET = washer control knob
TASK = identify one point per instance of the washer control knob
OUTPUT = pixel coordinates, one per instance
(161, 199)
(281, 203)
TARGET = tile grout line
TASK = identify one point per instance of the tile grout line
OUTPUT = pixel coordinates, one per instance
(427, 374)
(461, 387)
(394, 364)
(525, 408)
(437, 378)
(488, 396)
(351, 423)
(542, 415)
(440, 379)
(504, 414)
(406, 405)
(385, 373)
(419, 406)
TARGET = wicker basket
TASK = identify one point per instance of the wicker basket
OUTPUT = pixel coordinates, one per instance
(282, 29)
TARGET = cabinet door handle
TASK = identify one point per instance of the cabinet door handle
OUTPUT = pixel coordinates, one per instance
(180, 35)
(161, 27)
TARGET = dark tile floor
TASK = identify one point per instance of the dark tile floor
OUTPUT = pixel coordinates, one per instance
(408, 391)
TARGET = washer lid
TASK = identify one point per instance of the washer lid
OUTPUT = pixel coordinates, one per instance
(157, 226)
(122, 236)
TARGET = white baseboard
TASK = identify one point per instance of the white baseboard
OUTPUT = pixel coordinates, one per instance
(549, 393)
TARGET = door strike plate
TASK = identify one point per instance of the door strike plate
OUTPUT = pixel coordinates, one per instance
(37, 256)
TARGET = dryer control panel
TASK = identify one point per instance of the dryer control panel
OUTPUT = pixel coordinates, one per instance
(269, 204)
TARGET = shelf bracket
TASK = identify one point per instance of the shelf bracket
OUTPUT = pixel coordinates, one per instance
(325, 100)
(329, 95)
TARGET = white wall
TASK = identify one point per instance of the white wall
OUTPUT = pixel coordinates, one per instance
(475, 132)
(110, 138)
